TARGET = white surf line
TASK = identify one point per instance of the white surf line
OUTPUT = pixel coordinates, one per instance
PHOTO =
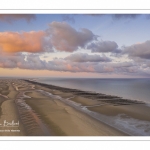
(97, 105)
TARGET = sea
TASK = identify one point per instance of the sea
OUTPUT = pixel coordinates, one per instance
(135, 89)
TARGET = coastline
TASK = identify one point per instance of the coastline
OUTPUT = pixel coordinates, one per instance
(49, 110)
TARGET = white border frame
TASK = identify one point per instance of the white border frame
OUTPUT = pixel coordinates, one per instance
(6, 10)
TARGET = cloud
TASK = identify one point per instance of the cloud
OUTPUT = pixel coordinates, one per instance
(34, 62)
(22, 61)
(83, 57)
(21, 42)
(58, 37)
(13, 17)
(117, 16)
(95, 15)
(104, 47)
(11, 61)
(122, 64)
(65, 38)
(141, 50)
(124, 16)
(70, 18)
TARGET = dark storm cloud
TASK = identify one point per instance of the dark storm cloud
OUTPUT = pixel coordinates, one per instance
(13, 17)
(125, 16)
(69, 18)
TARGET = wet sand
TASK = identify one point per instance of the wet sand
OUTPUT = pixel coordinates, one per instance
(65, 120)
(43, 114)
(140, 112)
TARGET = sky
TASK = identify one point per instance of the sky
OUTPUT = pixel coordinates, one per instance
(75, 45)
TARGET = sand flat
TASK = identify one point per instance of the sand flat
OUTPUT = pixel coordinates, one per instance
(68, 120)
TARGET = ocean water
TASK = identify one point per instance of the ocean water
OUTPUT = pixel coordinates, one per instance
(135, 89)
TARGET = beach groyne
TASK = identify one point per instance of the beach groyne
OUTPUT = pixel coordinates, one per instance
(109, 99)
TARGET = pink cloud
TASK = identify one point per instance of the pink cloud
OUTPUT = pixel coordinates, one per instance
(21, 42)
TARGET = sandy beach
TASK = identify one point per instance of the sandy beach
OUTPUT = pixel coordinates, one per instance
(47, 110)
(8, 110)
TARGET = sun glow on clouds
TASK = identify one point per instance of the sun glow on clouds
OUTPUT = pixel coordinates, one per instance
(11, 42)
(61, 49)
